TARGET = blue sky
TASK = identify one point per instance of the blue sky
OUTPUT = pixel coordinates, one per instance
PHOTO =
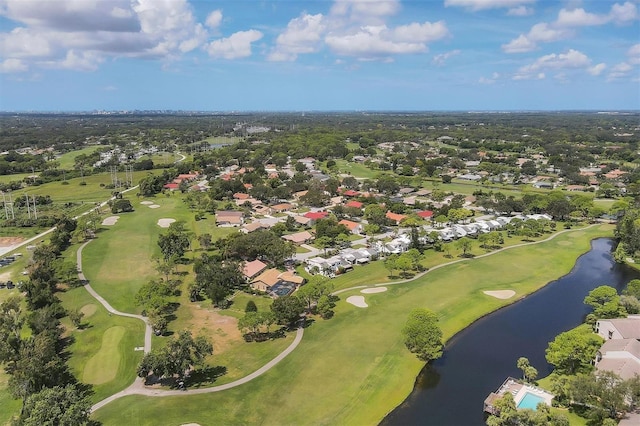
(252, 55)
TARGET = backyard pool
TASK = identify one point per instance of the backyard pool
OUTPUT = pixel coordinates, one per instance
(530, 401)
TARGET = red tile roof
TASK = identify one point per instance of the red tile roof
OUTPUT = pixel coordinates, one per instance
(351, 193)
(425, 214)
(316, 215)
(356, 204)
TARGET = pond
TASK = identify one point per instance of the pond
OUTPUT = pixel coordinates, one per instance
(451, 390)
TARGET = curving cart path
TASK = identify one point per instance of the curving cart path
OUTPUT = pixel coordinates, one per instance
(138, 387)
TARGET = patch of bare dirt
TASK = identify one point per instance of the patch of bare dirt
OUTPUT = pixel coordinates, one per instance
(222, 330)
(9, 241)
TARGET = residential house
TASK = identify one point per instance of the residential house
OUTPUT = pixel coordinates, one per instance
(619, 328)
(229, 218)
(425, 214)
(253, 268)
(620, 356)
(353, 227)
(299, 237)
(354, 204)
(394, 217)
(315, 216)
(253, 226)
(266, 280)
(281, 208)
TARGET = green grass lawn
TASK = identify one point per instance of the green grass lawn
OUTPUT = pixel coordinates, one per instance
(102, 351)
(67, 160)
(353, 368)
(356, 170)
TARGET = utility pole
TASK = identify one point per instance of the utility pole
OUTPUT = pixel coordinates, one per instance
(35, 210)
(28, 211)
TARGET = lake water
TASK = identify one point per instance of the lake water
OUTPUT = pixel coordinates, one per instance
(451, 390)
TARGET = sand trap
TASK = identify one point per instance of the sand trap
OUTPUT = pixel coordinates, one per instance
(164, 223)
(190, 424)
(500, 294)
(89, 310)
(357, 301)
(146, 203)
(111, 220)
(153, 206)
(374, 290)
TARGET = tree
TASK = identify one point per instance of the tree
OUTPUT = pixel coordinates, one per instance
(404, 263)
(324, 242)
(391, 263)
(287, 309)
(76, 317)
(605, 301)
(633, 289)
(205, 241)
(251, 306)
(522, 364)
(422, 335)
(59, 405)
(153, 295)
(464, 244)
(217, 279)
(311, 292)
(121, 205)
(604, 394)
(175, 359)
(173, 244)
(571, 352)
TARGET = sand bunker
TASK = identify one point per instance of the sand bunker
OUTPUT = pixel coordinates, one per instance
(154, 206)
(146, 203)
(374, 290)
(164, 223)
(111, 220)
(500, 294)
(357, 301)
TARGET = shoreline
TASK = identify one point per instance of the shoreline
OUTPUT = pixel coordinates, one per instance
(510, 303)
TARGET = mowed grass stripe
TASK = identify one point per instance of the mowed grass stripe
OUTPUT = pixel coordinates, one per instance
(103, 366)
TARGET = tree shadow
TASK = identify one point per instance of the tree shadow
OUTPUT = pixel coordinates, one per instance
(198, 378)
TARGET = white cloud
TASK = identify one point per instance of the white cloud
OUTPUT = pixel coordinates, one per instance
(623, 13)
(541, 32)
(302, 35)
(12, 65)
(378, 42)
(358, 10)
(440, 59)
(597, 69)
(80, 34)
(423, 33)
(370, 43)
(214, 19)
(356, 28)
(572, 59)
(619, 71)
(487, 4)
(568, 19)
(520, 11)
(238, 45)
(579, 18)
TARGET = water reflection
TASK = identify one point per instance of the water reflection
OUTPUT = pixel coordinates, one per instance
(476, 361)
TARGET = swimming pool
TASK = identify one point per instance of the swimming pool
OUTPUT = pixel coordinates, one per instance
(530, 401)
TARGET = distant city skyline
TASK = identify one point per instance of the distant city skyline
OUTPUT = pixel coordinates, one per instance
(319, 55)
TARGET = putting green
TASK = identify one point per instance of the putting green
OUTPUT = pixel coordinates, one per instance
(89, 310)
(103, 366)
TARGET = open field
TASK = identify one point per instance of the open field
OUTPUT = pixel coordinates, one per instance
(67, 160)
(356, 170)
(365, 346)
